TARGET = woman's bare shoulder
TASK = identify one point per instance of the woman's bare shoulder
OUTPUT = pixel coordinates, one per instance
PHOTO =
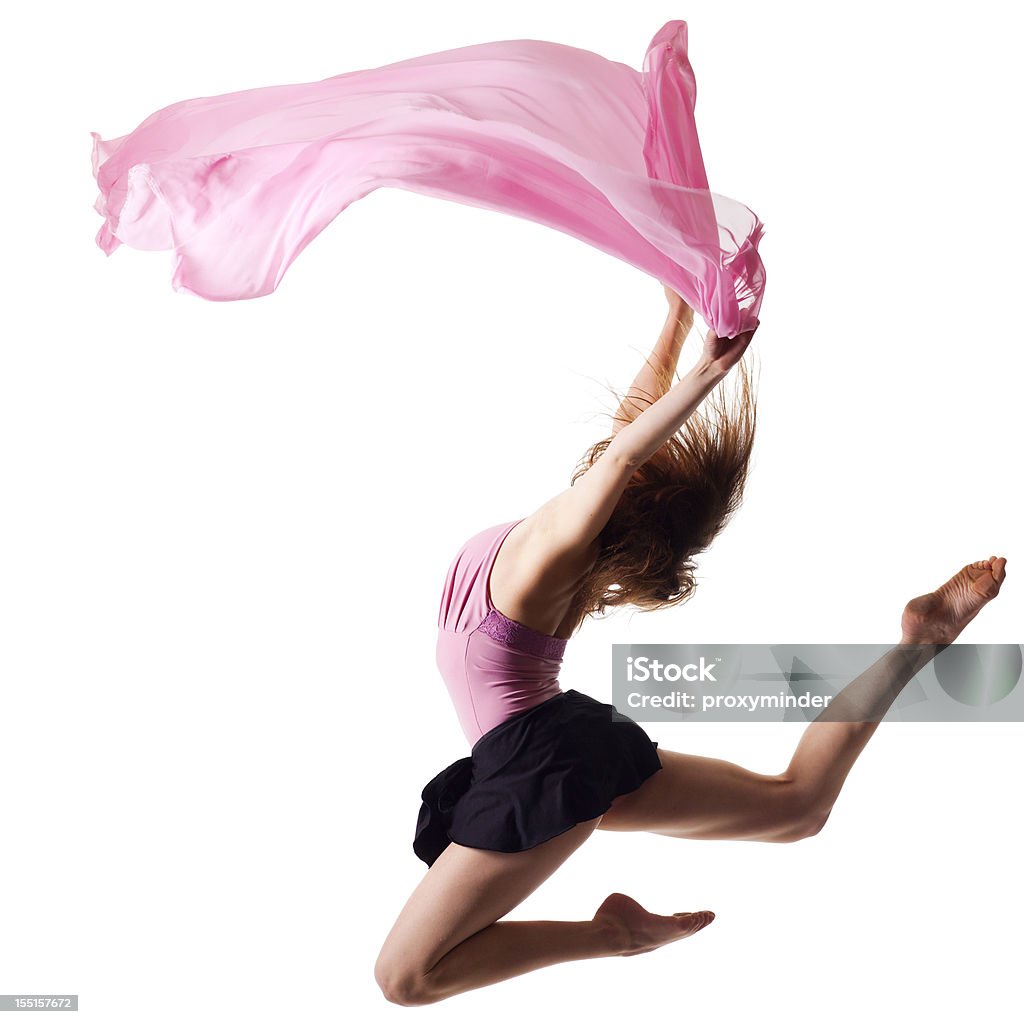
(533, 581)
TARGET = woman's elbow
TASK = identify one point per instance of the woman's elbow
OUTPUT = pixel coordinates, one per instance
(623, 453)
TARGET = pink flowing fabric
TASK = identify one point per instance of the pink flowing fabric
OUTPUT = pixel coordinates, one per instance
(239, 184)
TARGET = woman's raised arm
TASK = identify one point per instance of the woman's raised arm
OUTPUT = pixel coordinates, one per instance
(555, 543)
(636, 442)
(655, 376)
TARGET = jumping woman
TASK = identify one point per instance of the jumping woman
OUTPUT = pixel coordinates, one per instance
(548, 766)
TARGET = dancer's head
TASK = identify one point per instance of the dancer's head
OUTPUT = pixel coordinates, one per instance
(674, 506)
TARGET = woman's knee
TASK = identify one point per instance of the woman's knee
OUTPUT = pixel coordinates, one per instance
(401, 985)
(801, 814)
(803, 828)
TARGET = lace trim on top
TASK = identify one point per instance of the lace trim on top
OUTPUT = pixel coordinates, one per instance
(514, 634)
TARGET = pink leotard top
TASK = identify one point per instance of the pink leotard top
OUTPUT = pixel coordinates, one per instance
(494, 667)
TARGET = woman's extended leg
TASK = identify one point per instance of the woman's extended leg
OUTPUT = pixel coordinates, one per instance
(448, 939)
(705, 798)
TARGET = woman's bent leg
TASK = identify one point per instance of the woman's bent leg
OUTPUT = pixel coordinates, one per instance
(705, 798)
(695, 797)
(446, 939)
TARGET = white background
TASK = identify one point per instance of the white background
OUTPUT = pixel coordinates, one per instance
(226, 525)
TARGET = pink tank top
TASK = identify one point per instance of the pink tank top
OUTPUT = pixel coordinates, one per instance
(493, 666)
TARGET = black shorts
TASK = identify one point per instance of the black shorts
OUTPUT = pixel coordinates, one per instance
(535, 776)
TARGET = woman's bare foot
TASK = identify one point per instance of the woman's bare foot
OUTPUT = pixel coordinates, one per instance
(939, 617)
(641, 930)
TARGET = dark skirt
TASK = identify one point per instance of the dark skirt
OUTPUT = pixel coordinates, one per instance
(535, 776)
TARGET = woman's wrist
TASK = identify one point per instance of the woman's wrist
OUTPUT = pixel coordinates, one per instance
(708, 371)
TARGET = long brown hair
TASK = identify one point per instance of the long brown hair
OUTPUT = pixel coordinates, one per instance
(675, 504)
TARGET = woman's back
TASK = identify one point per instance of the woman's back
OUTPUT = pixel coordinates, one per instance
(494, 667)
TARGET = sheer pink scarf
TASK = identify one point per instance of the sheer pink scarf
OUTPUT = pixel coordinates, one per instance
(238, 184)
